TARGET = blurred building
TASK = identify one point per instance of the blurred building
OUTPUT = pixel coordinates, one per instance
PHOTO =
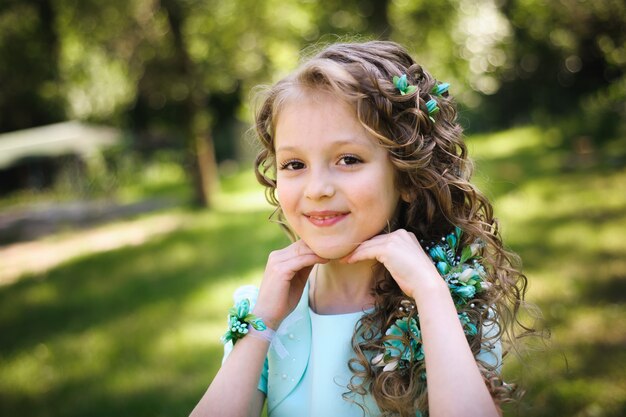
(33, 158)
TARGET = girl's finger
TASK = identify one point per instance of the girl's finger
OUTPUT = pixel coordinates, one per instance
(295, 249)
(293, 265)
(367, 250)
(378, 246)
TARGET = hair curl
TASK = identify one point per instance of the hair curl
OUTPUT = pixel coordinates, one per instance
(433, 170)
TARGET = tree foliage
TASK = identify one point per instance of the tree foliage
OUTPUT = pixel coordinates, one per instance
(567, 59)
(183, 69)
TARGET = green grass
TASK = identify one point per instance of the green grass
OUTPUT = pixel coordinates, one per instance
(565, 222)
(135, 331)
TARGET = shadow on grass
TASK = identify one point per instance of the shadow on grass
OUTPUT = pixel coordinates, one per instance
(100, 288)
(133, 302)
(588, 386)
(611, 290)
(174, 395)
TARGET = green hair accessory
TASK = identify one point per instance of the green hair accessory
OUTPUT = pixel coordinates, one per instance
(403, 86)
(440, 89)
(433, 109)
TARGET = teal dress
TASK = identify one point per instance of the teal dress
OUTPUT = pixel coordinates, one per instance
(306, 369)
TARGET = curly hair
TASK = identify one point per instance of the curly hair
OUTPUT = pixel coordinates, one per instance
(433, 170)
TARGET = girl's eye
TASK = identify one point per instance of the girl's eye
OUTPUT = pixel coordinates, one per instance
(349, 160)
(292, 165)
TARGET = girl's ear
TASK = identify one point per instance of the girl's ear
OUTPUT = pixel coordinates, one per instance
(407, 196)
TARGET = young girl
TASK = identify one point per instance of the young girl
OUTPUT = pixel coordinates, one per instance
(396, 293)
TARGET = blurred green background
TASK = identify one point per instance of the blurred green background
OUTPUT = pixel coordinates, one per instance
(129, 211)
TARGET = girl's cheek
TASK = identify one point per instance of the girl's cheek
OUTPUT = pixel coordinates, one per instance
(285, 196)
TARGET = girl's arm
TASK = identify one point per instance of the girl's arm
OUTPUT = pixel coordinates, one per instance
(455, 384)
(233, 392)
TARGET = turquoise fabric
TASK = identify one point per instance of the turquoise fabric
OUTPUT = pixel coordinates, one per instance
(327, 375)
(285, 380)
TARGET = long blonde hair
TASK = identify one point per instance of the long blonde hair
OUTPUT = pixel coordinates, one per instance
(433, 170)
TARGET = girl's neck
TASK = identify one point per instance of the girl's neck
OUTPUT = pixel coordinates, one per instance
(339, 288)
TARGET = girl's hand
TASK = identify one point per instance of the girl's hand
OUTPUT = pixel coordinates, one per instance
(285, 276)
(404, 258)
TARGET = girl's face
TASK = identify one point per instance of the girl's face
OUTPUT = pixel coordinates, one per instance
(335, 183)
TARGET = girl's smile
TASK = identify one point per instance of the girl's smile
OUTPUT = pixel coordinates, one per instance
(335, 183)
(325, 218)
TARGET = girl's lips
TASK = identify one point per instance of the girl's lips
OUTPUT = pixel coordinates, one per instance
(325, 218)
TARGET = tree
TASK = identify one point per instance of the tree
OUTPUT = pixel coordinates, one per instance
(31, 92)
(567, 60)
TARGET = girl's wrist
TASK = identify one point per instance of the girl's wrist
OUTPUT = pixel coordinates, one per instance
(429, 287)
(268, 318)
(267, 334)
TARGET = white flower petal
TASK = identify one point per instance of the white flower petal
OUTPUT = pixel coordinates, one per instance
(378, 359)
(391, 366)
(466, 275)
(475, 248)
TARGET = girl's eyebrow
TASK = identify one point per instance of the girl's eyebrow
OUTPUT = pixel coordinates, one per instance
(285, 148)
(338, 142)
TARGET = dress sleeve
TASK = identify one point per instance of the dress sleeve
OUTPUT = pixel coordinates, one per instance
(251, 293)
(491, 351)
(262, 386)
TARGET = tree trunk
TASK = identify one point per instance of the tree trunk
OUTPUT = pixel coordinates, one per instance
(205, 171)
(194, 122)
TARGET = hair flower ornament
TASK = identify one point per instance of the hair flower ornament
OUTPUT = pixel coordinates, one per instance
(433, 109)
(239, 320)
(403, 86)
(461, 269)
(404, 343)
(431, 105)
(440, 89)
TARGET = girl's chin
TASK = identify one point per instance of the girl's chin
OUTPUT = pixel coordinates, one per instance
(332, 252)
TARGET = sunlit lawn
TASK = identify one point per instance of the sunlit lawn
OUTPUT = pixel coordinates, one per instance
(135, 331)
(567, 225)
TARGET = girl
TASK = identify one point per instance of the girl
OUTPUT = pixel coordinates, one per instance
(397, 290)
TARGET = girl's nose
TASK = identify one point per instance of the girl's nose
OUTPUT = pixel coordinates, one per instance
(320, 185)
